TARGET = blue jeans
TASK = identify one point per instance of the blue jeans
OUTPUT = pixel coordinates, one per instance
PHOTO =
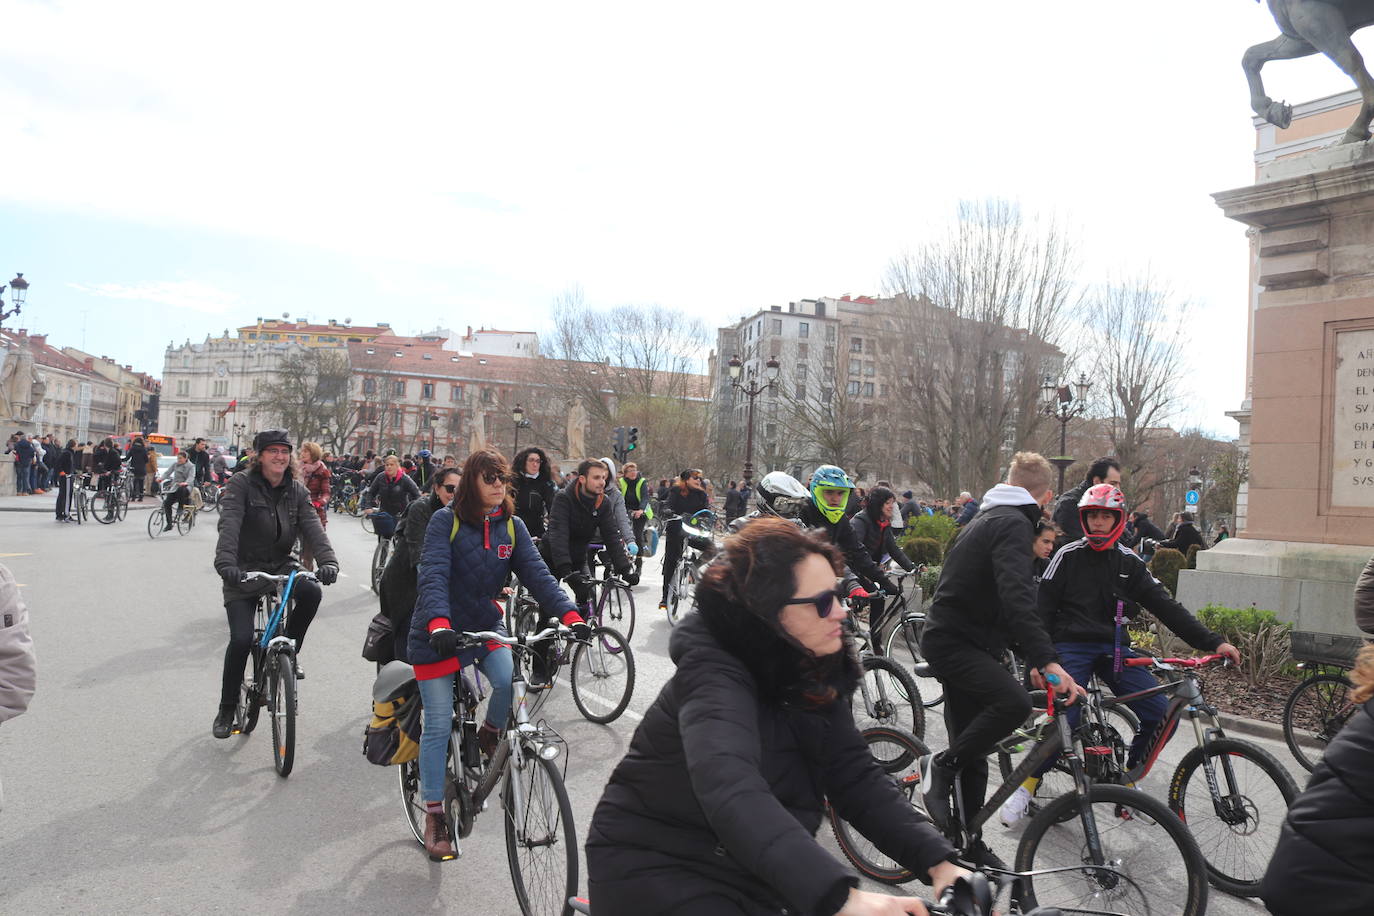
(22, 475)
(1084, 659)
(436, 695)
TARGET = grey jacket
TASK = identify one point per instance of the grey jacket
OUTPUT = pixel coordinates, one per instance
(622, 515)
(17, 676)
(181, 472)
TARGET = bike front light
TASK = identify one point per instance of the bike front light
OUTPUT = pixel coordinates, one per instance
(548, 751)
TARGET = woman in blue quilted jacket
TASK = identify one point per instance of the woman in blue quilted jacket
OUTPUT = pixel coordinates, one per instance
(471, 546)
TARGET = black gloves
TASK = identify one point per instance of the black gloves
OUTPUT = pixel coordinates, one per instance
(562, 572)
(328, 574)
(631, 576)
(444, 642)
(578, 580)
(887, 585)
(581, 631)
(231, 575)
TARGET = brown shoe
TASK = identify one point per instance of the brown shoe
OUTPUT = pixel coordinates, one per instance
(487, 739)
(437, 842)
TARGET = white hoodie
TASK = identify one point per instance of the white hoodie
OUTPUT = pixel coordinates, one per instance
(1004, 494)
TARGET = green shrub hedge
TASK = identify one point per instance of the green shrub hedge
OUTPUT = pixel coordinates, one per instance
(1165, 565)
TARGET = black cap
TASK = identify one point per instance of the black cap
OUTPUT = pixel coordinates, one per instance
(271, 437)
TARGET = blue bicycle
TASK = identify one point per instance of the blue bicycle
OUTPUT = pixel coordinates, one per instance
(271, 681)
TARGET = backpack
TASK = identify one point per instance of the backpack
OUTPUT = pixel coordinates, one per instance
(392, 737)
(510, 530)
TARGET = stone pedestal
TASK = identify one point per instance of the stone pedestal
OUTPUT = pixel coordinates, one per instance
(1310, 512)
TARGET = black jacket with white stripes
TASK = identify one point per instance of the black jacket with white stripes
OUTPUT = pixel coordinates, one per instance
(1080, 588)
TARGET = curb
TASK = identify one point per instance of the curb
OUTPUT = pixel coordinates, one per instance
(1252, 727)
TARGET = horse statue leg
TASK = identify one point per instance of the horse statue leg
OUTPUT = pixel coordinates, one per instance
(1280, 114)
(1324, 27)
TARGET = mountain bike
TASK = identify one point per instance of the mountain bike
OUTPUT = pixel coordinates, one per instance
(271, 679)
(698, 546)
(887, 694)
(1232, 794)
(541, 842)
(903, 641)
(602, 668)
(1097, 848)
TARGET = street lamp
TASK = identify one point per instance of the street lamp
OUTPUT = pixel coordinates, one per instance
(751, 389)
(517, 417)
(1064, 404)
(19, 291)
(239, 430)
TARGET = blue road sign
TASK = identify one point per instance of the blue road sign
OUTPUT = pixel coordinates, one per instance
(1191, 497)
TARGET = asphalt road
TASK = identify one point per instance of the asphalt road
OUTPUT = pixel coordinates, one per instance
(119, 800)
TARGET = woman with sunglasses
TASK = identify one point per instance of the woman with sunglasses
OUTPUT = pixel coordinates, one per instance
(684, 500)
(400, 580)
(714, 808)
(470, 547)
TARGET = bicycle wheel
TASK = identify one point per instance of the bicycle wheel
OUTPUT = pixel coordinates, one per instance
(156, 519)
(367, 525)
(541, 845)
(904, 647)
(1316, 710)
(121, 499)
(603, 676)
(354, 505)
(1237, 833)
(250, 693)
(619, 610)
(281, 694)
(888, 695)
(408, 776)
(679, 594)
(186, 520)
(83, 506)
(103, 507)
(1153, 865)
(898, 752)
(379, 555)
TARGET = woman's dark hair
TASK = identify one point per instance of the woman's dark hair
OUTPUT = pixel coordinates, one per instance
(742, 594)
(686, 475)
(1046, 525)
(524, 456)
(440, 475)
(1098, 470)
(875, 500)
(71, 443)
(467, 502)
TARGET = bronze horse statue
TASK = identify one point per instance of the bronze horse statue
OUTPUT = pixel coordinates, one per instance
(1310, 27)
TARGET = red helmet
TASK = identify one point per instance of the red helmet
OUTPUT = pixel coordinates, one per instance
(1103, 496)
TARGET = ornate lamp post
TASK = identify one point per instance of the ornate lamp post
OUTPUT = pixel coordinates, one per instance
(239, 430)
(19, 291)
(517, 417)
(751, 389)
(1063, 405)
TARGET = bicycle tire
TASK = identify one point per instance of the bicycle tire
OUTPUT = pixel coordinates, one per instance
(904, 647)
(543, 828)
(892, 697)
(82, 506)
(101, 508)
(250, 693)
(619, 609)
(156, 519)
(379, 558)
(1236, 854)
(367, 525)
(613, 669)
(680, 586)
(901, 766)
(408, 779)
(186, 520)
(121, 498)
(282, 700)
(1051, 842)
(354, 505)
(1316, 710)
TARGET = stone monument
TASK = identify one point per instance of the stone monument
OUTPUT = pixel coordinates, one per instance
(1307, 522)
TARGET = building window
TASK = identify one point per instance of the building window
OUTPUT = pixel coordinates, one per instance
(830, 332)
(486, 396)
(801, 391)
(369, 386)
(777, 325)
(856, 345)
(775, 347)
(868, 389)
(397, 417)
(827, 394)
(882, 391)
(855, 368)
(427, 390)
(801, 370)
(804, 329)
(772, 430)
(852, 388)
(180, 424)
(803, 351)
(399, 388)
(869, 369)
(217, 424)
(183, 387)
(456, 394)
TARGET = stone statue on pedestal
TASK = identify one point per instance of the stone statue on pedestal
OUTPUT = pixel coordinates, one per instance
(21, 388)
(1309, 27)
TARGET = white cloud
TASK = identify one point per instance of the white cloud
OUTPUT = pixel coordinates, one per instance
(181, 294)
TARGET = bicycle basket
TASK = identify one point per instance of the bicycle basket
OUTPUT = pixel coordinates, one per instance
(1325, 648)
(384, 523)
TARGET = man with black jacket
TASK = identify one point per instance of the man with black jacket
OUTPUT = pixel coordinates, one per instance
(581, 514)
(985, 603)
(1103, 470)
(1185, 535)
(831, 490)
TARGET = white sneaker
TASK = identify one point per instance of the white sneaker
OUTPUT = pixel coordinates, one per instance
(1014, 808)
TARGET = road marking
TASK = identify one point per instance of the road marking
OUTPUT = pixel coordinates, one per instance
(16, 554)
(604, 704)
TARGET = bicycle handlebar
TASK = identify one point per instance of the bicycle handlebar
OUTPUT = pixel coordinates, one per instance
(1142, 661)
(476, 637)
(253, 575)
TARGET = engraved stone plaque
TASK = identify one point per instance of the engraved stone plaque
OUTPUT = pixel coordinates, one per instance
(1352, 430)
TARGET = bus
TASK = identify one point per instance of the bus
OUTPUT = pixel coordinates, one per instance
(163, 445)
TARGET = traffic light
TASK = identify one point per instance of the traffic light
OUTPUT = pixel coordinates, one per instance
(634, 440)
(618, 444)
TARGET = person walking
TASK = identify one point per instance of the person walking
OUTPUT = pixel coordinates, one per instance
(66, 475)
(734, 503)
(18, 675)
(138, 466)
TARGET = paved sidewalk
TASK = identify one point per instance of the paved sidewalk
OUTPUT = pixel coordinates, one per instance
(47, 502)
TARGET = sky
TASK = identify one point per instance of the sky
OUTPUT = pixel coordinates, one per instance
(169, 170)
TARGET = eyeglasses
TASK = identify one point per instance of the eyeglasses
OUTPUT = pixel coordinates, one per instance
(491, 477)
(824, 603)
(449, 488)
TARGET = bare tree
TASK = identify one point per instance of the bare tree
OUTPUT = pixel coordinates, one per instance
(978, 315)
(834, 423)
(310, 394)
(1138, 328)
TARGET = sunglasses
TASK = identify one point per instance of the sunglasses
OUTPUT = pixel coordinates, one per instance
(824, 603)
(449, 488)
(491, 477)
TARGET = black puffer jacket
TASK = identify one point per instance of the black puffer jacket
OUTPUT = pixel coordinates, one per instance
(258, 526)
(533, 499)
(878, 539)
(399, 589)
(724, 784)
(577, 519)
(1324, 861)
(391, 495)
(1066, 515)
(842, 535)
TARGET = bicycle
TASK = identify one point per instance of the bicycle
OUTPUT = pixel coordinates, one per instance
(1224, 789)
(1098, 848)
(603, 668)
(613, 601)
(184, 518)
(1319, 705)
(383, 524)
(903, 642)
(111, 504)
(271, 681)
(698, 545)
(887, 694)
(541, 842)
(209, 495)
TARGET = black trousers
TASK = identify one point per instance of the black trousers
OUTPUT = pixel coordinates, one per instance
(138, 486)
(672, 552)
(64, 496)
(983, 705)
(240, 612)
(638, 525)
(178, 497)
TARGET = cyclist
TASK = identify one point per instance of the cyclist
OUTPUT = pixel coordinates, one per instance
(263, 512)
(470, 548)
(180, 475)
(200, 457)
(423, 473)
(316, 476)
(106, 465)
(684, 500)
(582, 514)
(985, 599)
(1084, 596)
(634, 490)
(400, 579)
(830, 494)
(534, 489)
(873, 526)
(138, 466)
(715, 807)
(390, 492)
(622, 515)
